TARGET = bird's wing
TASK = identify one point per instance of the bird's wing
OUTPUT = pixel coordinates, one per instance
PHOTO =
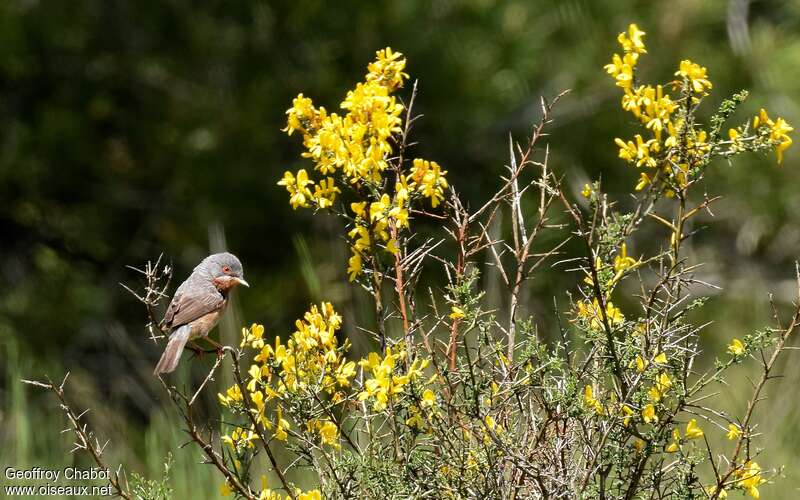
(188, 305)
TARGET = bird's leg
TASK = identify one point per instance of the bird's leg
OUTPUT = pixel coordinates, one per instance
(196, 349)
(216, 345)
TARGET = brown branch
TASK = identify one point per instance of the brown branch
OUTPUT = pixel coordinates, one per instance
(86, 439)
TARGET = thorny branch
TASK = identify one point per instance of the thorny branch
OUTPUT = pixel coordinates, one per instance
(85, 439)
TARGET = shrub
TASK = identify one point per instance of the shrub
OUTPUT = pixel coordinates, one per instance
(469, 398)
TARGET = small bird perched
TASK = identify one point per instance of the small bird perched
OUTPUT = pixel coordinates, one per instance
(198, 304)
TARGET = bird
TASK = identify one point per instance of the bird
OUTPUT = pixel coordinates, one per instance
(198, 304)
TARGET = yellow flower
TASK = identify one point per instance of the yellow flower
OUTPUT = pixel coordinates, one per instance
(301, 116)
(387, 69)
(778, 132)
(711, 490)
(391, 247)
(232, 396)
(325, 193)
(693, 431)
(345, 372)
(255, 377)
(733, 432)
(780, 135)
(676, 440)
(639, 445)
(384, 385)
(622, 261)
(627, 413)
(457, 313)
(663, 383)
(329, 433)
(749, 478)
(297, 188)
(621, 69)
(695, 74)
(354, 266)
(415, 419)
(377, 209)
(281, 426)
(638, 152)
(644, 181)
(591, 401)
(762, 119)
(225, 489)
(489, 421)
(428, 398)
(641, 364)
(308, 495)
(587, 191)
(632, 40)
(428, 178)
(358, 208)
(736, 348)
(649, 414)
(661, 359)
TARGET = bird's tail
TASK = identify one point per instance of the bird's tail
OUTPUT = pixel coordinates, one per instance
(172, 354)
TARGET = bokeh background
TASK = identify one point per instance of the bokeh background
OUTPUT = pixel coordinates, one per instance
(129, 129)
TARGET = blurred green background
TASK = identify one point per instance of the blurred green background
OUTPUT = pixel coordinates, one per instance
(132, 128)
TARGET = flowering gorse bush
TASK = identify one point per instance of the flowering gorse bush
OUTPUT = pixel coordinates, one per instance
(461, 403)
(466, 397)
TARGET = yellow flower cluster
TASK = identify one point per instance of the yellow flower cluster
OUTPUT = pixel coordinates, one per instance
(693, 431)
(621, 68)
(675, 147)
(733, 432)
(384, 385)
(240, 438)
(777, 131)
(326, 429)
(695, 75)
(354, 149)
(310, 360)
(654, 108)
(748, 477)
(312, 355)
(592, 313)
(428, 178)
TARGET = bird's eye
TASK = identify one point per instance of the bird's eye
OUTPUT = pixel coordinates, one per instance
(226, 269)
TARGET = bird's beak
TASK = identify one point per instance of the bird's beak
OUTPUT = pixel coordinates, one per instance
(241, 281)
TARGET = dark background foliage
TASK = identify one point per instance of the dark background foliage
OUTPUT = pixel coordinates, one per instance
(130, 129)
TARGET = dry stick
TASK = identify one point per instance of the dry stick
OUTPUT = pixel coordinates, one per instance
(398, 266)
(209, 377)
(153, 293)
(462, 220)
(399, 288)
(522, 242)
(84, 437)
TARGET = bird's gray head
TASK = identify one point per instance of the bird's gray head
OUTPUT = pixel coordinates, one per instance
(224, 269)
